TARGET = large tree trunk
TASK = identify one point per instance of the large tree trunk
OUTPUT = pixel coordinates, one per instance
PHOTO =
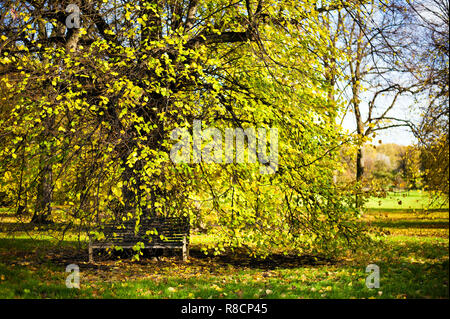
(359, 155)
(44, 196)
(43, 209)
(359, 159)
(356, 89)
(361, 133)
(132, 175)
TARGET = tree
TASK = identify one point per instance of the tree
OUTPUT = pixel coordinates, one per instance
(368, 36)
(427, 64)
(102, 100)
(410, 166)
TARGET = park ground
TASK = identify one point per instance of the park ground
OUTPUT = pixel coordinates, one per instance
(412, 254)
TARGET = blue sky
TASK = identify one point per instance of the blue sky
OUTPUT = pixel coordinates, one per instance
(405, 108)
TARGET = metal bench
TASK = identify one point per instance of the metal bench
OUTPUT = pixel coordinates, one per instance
(156, 232)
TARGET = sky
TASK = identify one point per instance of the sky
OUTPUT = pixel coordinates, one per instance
(405, 108)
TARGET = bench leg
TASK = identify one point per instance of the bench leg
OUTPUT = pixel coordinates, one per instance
(185, 249)
(91, 257)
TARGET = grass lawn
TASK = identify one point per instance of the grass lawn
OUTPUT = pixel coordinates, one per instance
(414, 200)
(412, 254)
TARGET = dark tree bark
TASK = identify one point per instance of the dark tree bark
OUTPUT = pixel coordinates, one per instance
(43, 209)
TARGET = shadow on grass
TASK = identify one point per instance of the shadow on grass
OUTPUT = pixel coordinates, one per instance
(17, 251)
(39, 251)
(21, 226)
(406, 210)
(236, 259)
(241, 259)
(412, 224)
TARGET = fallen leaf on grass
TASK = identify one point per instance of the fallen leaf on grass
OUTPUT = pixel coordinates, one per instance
(172, 289)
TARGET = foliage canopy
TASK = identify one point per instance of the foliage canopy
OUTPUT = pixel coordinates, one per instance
(86, 116)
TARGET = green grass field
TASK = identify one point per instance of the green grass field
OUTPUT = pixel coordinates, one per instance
(410, 201)
(412, 254)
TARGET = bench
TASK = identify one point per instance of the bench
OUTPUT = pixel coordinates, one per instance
(155, 232)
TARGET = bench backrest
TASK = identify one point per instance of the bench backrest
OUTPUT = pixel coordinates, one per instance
(151, 231)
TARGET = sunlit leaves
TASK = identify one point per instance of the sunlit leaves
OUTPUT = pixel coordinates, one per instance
(102, 115)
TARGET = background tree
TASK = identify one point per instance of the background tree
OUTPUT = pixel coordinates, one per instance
(368, 36)
(411, 168)
(427, 63)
